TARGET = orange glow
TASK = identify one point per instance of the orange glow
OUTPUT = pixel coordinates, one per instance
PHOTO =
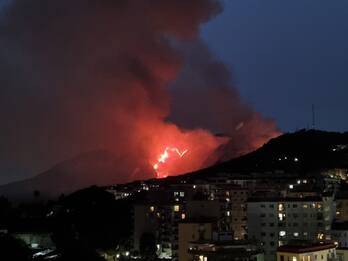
(168, 153)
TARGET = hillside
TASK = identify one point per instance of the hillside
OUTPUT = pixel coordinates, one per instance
(91, 168)
(300, 152)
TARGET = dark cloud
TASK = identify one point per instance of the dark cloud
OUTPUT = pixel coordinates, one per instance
(85, 75)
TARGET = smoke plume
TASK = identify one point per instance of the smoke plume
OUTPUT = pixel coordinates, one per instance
(81, 75)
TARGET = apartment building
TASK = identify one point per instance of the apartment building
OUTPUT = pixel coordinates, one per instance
(276, 221)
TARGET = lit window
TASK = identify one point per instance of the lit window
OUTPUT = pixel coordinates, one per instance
(280, 207)
(305, 206)
(295, 234)
(294, 258)
(176, 208)
(183, 216)
(281, 216)
(194, 186)
(298, 181)
(152, 208)
(291, 186)
(182, 194)
(282, 233)
(228, 213)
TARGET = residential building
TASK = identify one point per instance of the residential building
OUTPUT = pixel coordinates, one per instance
(339, 234)
(276, 221)
(306, 251)
(235, 250)
(194, 230)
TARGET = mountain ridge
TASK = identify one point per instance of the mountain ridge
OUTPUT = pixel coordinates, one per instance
(301, 152)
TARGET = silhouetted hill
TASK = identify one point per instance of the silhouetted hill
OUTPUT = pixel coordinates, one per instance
(303, 151)
(92, 168)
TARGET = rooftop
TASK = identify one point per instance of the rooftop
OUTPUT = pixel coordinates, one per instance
(305, 247)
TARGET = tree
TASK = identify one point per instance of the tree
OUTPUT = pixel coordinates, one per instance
(13, 249)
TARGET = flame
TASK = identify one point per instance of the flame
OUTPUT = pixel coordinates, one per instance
(163, 158)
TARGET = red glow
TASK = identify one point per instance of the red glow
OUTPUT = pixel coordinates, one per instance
(168, 156)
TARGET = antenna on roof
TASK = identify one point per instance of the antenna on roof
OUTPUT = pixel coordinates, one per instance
(313, 117)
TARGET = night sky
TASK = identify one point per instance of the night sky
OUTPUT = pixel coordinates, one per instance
(70, 78)
(286, 55)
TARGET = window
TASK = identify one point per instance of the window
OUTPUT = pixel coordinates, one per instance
(152, 208)
(282, 233)
(280, 206)
(294, 258)
(182, 194)
(263, 206)
(281, 216)
(176, 208)
(183, 216)
(282, 258)
(296, 234)
(294, 205)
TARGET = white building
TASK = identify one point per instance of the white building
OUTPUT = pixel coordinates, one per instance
(275, 221)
